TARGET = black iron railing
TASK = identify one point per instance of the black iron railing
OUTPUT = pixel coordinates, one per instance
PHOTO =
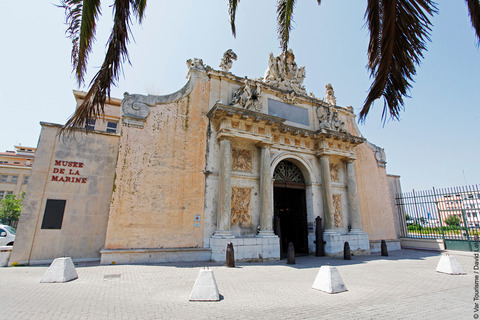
(452, 214)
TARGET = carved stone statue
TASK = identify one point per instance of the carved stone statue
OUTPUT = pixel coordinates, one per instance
(330, 95)
(227, 60)
(248, 96)
(329, 120)
(283, 73)
(337, 123)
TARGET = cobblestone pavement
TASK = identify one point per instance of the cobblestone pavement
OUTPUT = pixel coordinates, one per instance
(403, 285)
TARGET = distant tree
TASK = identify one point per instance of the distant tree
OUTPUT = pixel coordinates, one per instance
(422, 219)
(10, 207)
(398, 32)
(407, 216)
(452, 220)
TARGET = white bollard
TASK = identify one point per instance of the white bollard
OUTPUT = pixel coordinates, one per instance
(61, 270)
(449, 265)
(328, 280)
(205, 287)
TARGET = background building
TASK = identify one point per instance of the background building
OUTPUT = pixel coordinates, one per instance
(15, 168)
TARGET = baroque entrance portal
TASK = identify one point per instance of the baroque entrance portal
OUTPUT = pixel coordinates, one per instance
(289, 207)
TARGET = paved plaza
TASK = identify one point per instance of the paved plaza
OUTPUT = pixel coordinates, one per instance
(403, 285)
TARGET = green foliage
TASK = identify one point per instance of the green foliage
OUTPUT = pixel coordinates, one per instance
(452, 220)
(407, 217)
(11, 206)
(414, 227)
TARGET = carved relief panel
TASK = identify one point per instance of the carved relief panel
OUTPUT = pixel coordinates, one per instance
(240, 214)
(337, 205)
(334, 172)
(241, 159)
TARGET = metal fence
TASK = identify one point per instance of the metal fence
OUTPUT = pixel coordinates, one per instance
(452, 214)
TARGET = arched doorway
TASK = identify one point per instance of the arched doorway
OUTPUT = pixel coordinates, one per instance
(289, 207)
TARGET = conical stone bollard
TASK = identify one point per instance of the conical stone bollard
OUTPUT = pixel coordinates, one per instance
(61, 270)
(205, 287)
(329, 280)
(449, 265)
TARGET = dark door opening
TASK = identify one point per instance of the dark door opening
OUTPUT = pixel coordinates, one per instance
(290, 208)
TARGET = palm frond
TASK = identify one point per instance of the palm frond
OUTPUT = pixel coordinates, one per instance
(81, 17)
(398, 32)
(373, 16)
(138, 7)
(284, 21)
(474, 12)
(232, 10)
(93, 104)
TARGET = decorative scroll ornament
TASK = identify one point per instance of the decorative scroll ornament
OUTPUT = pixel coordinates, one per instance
(329, 120)
(248, 96)
(288, 172)
(330, 95)
(196, 63)
(227, 60)
(380, 156)
(283, 73)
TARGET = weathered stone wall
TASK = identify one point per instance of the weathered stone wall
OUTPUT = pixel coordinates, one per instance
(160, 184)
(374, 196)
(396, 190)
(86, 186)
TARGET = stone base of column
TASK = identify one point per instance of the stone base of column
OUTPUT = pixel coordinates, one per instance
(223, 234)
(247, 249)
(266, 234)
(334, 242)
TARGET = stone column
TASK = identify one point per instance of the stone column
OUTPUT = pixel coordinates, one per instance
(266, 193)
(327, 194)
(355, 221)
(224, 203)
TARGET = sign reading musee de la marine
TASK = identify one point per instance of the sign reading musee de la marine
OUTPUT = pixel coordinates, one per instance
(68, 171)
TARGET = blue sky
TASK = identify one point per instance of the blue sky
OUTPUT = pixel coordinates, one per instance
(434, 145)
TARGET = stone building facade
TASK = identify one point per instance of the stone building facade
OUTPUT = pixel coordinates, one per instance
(224, 159)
